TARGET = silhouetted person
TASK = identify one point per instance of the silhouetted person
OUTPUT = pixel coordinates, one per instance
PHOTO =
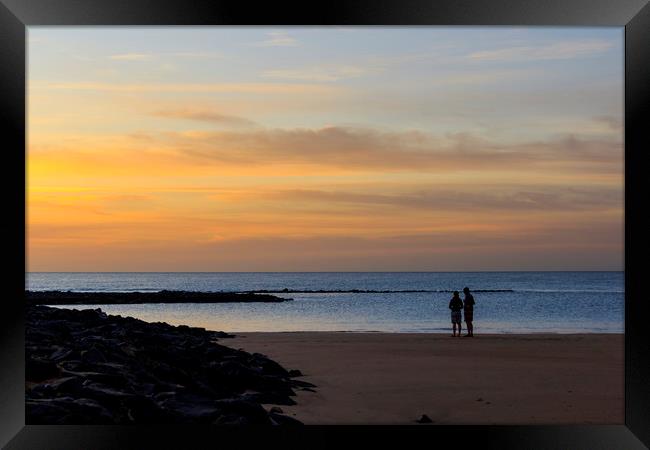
(456, 304)
(469, 312)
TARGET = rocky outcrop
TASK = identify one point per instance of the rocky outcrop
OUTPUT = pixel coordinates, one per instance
(113, 298)
(86, 367)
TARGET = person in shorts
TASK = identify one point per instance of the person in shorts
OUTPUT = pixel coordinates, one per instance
(456, 305)
(469, 312)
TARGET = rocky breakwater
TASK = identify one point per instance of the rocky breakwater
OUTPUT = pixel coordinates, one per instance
(86, 367)
(164, 296)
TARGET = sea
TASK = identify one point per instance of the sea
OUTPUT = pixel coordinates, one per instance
(405, 302)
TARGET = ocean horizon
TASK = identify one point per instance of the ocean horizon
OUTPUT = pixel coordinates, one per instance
(408, 302)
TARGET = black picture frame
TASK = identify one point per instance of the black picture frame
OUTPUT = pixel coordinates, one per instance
(16, 15)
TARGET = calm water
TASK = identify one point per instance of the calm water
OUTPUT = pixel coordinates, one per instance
(563, 302)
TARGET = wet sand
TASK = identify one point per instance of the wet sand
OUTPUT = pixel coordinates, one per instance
(394, 378)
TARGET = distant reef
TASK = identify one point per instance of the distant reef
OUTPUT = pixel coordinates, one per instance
(164, 296)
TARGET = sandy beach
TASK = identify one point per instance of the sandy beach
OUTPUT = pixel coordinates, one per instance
(394, 378)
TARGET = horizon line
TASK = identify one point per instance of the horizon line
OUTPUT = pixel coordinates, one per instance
(342, 271)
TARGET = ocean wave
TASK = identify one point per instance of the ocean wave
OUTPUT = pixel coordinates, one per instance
(424, 291)
(364, 291)
(579, 291)
(352, 291)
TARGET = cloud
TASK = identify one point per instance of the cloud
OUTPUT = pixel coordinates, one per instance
(150, 56)
(279, 88)
(318, 74)
(559, 50)
(369, 149)
(480, 199)
(278, 39)
(555, 247)
(205, 116)
(613, 123)
(361, 67)
(132, 57)
(142, 215)
(207, 55)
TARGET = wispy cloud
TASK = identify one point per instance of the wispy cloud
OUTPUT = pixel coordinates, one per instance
(194, 54)
(522, 198)
(150, 56)
(375, 64)
(149, 247)
(131, 57)
(277, 39)
(280, 88)
(348, 148)
(613, 123)
(205, 115)
(361, 67)
(558, 50)
(318, 74)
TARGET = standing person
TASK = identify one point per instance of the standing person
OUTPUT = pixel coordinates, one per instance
(469, 312)
(456, 304)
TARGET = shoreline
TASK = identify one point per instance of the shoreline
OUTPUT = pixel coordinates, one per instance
(438, 333)
(444, 329)
(207, 325)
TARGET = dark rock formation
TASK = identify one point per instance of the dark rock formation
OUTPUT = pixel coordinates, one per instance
(115, 298)
(85, 367)
(424, 419)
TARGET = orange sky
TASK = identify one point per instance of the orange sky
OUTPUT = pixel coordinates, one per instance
(252, 155)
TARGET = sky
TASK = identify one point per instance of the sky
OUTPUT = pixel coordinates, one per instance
(325, 149)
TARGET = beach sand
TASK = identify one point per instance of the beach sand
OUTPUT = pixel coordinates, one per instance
(394, 378)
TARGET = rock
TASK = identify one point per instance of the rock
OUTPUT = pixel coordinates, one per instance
(270, 398)
(92, 355)
(281, 419)
(111, 367)
(268, 366)
(92, 412)
(146, 389)
(231, 419)
(40, 369)
(61, 353)
(45, 411)
(71, 366)
(424, 419)
(105, 394)
(191, 408)
(61, 386)
(91, 315)
(108, 379)
(276, 409)
(269, 383)
(295, 373)
(89, 367)
(67, 411)
(234, 369)
(254, 413)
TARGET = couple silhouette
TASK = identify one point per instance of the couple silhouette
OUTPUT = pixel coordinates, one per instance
(467, 306)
